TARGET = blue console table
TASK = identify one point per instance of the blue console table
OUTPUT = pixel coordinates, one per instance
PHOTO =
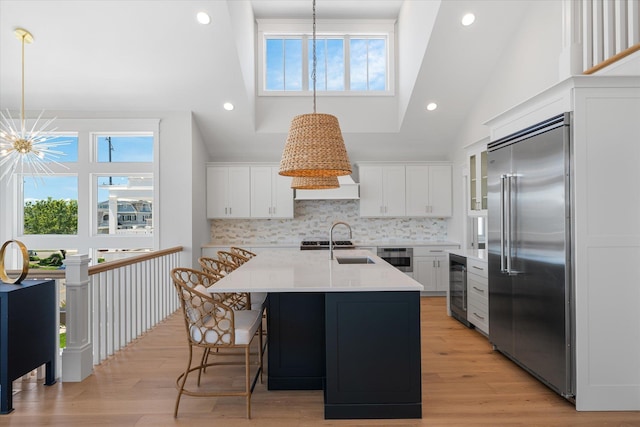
(27, 334)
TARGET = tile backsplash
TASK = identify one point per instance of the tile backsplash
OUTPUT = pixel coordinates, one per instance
(313, 218)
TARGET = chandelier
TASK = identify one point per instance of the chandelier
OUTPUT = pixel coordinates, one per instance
(315, 147)
(20, 147)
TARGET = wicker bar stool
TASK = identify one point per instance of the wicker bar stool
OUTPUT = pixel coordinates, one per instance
(242, 252)
(232, 258)
(216, 265)
(219, 268)
(213, 325)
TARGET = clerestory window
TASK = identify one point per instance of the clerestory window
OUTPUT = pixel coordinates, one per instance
(354, 58)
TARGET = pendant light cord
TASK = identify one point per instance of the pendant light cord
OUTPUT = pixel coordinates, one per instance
(313, 72)
(22, 119)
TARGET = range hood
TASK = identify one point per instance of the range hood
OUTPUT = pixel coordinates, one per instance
(348, 190)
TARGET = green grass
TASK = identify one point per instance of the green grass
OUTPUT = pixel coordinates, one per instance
(63, 340)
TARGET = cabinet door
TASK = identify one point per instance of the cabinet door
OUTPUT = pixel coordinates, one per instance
(371, 201)
(281, 195)
(393, 190)
(432, 272)
(478, 182)
(271, 194)
(217, 187)
(424, 271)
(428, 190)
(417, 190)
(261, 205)
(239, 192)
(442, 273)
(440, 189)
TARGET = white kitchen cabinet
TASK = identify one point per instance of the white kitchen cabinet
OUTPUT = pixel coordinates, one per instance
(228, 192)
(271, 193)
(382, 190)
(431, 269)
(477, 185)
(478, 294)
(428, 190)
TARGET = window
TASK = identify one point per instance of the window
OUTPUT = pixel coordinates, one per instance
(125, 205)
(368, 64)
(69, 149)
(351, 58)
(108, 168)
(124, 197)
(50, 205)
(125, 148)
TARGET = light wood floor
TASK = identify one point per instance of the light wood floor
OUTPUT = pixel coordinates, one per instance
(464, 383)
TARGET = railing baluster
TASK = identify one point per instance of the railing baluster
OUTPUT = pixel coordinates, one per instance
(115, 303)
(610, 32)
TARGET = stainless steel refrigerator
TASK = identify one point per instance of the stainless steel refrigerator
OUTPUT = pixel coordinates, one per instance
(529, 233)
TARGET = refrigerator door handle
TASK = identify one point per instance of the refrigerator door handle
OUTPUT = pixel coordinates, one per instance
(508, 223)
(464, 289)
(503, 179)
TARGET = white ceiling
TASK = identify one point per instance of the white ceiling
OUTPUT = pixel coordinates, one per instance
(151, 55)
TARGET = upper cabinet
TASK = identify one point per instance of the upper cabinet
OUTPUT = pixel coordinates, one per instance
(271, 193)
(402, 190)
(428, 190)
(228, 192)
(248, 191)
(477, 197)
(382, 190)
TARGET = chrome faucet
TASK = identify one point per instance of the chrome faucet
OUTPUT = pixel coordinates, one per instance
(331, 236)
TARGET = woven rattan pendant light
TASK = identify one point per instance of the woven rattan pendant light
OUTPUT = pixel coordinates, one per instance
(315, 147)
(315, 182)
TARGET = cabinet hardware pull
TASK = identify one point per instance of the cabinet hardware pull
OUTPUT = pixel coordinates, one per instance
(438, 263)
(477, 268)
(436, 250)
(478, 316)
(479, 290)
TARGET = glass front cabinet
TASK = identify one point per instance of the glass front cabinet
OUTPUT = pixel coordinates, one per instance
(478, 180)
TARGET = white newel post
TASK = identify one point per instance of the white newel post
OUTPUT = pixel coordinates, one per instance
(571, 57)
(77, 357)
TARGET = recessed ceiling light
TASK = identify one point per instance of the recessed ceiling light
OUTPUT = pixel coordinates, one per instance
(468, 19)
(432, 106)
(203, 18)
(228, 106)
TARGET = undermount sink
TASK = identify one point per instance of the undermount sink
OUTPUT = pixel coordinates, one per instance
(354, 260)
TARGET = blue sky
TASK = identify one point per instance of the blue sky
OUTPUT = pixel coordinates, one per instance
(367, 64)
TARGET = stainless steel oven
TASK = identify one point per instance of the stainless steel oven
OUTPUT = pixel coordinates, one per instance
(458, 288)
(400, 258)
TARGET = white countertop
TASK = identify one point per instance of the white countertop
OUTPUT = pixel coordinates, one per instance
(479, 254)
(313, 271)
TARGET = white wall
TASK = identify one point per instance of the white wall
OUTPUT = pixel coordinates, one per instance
(527, 67)
(200, 225)
(176, 179)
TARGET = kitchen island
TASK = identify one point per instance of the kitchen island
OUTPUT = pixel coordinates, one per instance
(348, 326)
